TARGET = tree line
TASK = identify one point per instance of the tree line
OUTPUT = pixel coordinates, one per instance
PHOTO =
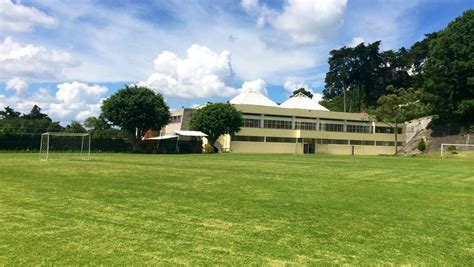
(437, 73)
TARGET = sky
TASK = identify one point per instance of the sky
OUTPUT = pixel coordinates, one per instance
(67, 56)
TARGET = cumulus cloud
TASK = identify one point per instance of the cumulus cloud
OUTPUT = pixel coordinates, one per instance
(258, 86)
(356, 41)
(305, 22)
(309, 21)
(15, 17)
(72, 101)
(18, 85)
(291, 86)
(202, 74)
(33, 62)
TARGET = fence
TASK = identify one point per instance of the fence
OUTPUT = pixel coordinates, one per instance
(28, 142)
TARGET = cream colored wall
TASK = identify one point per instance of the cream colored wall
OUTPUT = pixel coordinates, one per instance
(358, 150)
(261, 147)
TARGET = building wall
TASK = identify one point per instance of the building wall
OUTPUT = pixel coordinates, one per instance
(319, 137)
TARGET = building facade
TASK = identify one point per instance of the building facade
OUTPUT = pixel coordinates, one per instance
(301, 126)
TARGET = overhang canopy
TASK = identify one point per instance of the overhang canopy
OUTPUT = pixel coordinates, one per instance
(190, 133)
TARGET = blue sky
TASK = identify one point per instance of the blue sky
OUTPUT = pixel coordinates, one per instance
(67, 56)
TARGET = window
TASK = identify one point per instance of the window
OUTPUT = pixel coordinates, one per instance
(272, 139)
(331, 127)
(246, 138)
(353, 128)
(385, 143)
(362, 143)
(303, 125)
(334, 141)
(251, 123)
(277, 124)
(175, 119)
(387, 130)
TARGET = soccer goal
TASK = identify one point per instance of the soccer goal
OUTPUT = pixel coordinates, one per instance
(65, 146)
(450, 150)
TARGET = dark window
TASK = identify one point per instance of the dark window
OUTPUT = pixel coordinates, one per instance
(272, 139)
(175, 119)
(303, 125)
(247, 138)
(353, 128)
(334, 141)
(277, 124)
(251, 123)
(331, 127)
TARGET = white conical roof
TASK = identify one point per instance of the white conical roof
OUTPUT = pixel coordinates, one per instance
(249, 97)
(302, 101)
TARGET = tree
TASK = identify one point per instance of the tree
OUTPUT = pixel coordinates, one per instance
(449, 71)
(303, 91)
(216, 120)
(9, 113)
(75, 127)
(35, 114)
(398, 106)
(421, 145)
(136, 109)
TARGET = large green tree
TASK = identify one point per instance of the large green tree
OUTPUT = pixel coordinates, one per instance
(397, 107)
(136, 109)
(449, 71)
(215, 120)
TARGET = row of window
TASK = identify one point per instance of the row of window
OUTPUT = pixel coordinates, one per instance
(175, 119)
(312, 126)
(272, 139)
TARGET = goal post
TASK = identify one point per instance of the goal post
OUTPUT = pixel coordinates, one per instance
(456, 149)
(65, 145)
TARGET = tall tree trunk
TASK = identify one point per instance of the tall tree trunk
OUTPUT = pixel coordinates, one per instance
(344, 92)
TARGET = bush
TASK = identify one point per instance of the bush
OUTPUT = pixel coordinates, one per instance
(422, 145)
(208, 148)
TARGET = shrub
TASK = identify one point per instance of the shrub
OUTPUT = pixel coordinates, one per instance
(422, 145)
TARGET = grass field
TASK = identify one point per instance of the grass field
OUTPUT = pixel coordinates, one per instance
(236, 209)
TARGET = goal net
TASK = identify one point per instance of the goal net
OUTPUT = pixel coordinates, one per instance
(65, 146)
(457, 150)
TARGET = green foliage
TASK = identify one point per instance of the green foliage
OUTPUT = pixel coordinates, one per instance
(136, 109)
(9, 113)
(35, 114)
(449, 71)
(302, 91)
(421, 145)
(216, 120)
(398, 106)
(465, 112)
(75, 127)
(208, 148)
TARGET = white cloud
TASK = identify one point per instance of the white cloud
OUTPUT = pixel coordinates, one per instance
(18, 85)
(20, 18)
(32, 62)
(305, 22)
(72, 101)
(291, 86)
(258, 86)
(356, 41)
(311, 20)
(250, 5)
(202, 74)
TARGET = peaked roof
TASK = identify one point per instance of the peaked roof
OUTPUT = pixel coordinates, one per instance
(252, 98)
(302, 101)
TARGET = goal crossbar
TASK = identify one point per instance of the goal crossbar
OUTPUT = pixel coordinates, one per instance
(454, 145)
(82, 146)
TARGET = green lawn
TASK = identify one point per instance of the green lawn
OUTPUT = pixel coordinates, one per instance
(236, 209)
